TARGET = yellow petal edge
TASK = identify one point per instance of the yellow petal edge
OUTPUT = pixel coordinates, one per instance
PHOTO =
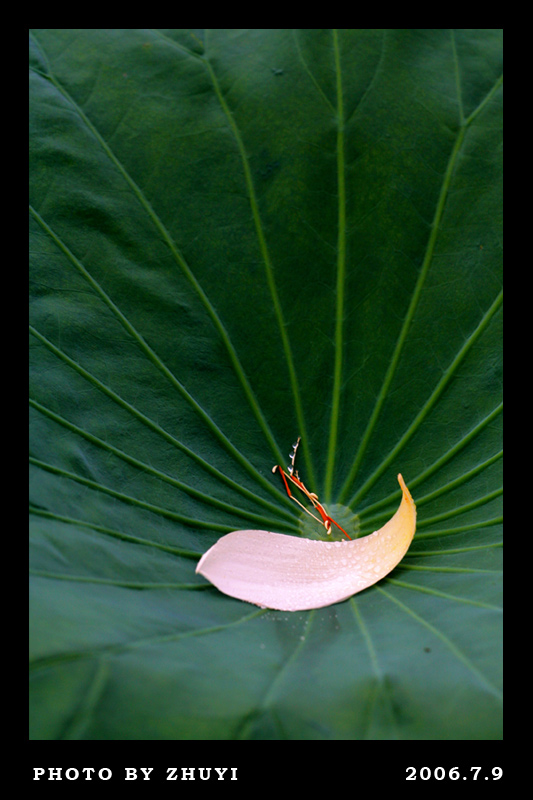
(274, 570)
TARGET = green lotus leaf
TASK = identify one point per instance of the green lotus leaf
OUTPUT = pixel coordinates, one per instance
(239, 237)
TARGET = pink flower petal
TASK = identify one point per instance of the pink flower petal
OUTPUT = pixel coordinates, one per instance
(273, 570)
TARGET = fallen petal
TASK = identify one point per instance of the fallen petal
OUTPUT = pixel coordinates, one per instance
(273, 570)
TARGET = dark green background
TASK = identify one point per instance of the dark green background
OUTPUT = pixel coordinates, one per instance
(239, 237)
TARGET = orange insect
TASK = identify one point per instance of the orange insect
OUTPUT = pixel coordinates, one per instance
(292, 475)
